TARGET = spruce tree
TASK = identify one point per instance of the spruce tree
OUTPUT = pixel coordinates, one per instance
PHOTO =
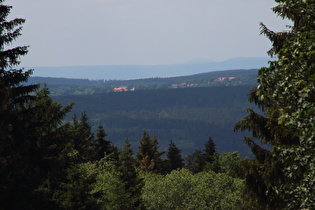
(283, 176)
(130, 177)
(84, 143)
(49, 143)
(211, 156)
(103, 146)
(32, 138)
(13, 96)
(149, 158)
(210, 151)
(14, 147)
(175, 160)
(203, 160)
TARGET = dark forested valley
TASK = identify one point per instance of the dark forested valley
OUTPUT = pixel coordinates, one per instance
(187, 116)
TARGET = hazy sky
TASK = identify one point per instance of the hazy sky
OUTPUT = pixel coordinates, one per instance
(119, 32)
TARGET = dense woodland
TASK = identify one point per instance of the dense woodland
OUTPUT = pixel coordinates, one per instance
(187, 116)
(172, 109)
(49, 160)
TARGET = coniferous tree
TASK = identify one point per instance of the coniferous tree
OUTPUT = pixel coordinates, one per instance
(211, 156)
(210, 151)
(175, 160)
(207, 160)
(15, 164)
(51, 137)
(104, 146)
(12, 95)
(83, 139)
(149, 158)
(31, 135)
(196, 161)
(283, 177)
(129, 176)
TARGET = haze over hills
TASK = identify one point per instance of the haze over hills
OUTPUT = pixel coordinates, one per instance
(126, 72)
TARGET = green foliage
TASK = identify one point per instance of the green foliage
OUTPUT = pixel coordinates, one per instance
(103, 147)
(149, 158)
(229, 163)
(85, 144)
(93, 186)
(207, 160)
(110, 192)
(129, 176)
(284, 175)
(182, 190)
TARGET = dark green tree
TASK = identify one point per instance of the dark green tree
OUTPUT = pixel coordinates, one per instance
(210, 151)
(104, 147)
(207, 160)
(211, 156)
(83, 139)
(175, 159)
(195, 162)
(149, 158)
(129, 176)
(283, 176)
(93, 185)
(33, 138)
(13, 96)
(50, 139)
(22, 160)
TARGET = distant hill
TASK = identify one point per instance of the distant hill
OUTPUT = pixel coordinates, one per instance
(65, 86)
(127, 72)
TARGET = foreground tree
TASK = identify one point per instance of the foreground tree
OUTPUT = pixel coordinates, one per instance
(32, 146)
(14, 147)
(183, 190)
(93, 185)
(284, 176)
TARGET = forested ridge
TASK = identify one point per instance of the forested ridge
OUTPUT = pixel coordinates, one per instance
(185, 115)
(65, 86)
(49, 160)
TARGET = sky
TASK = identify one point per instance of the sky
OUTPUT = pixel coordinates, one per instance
(142, 32)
